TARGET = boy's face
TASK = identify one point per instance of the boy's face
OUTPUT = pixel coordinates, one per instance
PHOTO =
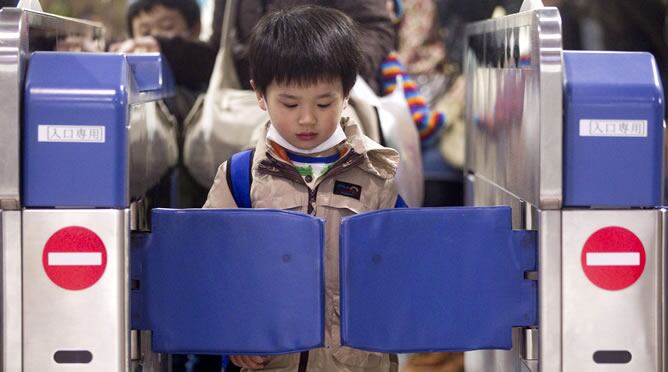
(164, 22)
(305, 116)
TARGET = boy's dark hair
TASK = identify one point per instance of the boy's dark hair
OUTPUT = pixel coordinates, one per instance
(304, 45)
(189, 9)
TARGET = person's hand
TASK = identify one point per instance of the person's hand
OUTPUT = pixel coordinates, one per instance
(250, 361)
(144, 44)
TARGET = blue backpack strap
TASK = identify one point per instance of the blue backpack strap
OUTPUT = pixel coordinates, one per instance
(400, 203)
(239, 177)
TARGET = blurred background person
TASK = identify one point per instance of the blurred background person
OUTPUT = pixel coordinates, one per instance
(377, 33)
(170, 27)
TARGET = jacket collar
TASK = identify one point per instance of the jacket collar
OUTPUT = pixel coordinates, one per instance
(378, 160)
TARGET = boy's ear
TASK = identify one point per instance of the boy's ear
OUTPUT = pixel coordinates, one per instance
(260, 97)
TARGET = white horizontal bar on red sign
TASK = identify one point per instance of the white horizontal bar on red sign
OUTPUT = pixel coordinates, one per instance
(75, 259)
(613, 259)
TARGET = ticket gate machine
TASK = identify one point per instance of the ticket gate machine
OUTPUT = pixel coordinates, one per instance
(59, 196)
(23, 31)
(572, 141)
(567, 276)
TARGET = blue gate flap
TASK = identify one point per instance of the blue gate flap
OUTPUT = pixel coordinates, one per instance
(437, 279)
(232, 281)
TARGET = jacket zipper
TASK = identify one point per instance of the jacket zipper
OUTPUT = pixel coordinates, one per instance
(280, 169)
(349, 160)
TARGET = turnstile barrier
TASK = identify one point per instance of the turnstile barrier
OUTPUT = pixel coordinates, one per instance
(76, 221)
(573, 142)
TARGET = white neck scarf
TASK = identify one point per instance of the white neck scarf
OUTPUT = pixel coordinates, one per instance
(337, 137)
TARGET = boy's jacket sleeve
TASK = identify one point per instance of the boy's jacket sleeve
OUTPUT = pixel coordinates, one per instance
(220, 195)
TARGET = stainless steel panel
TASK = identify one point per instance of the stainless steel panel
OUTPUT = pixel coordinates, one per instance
(596, 319)
(488, 194)
(530, 366)
(549, 290)
(513, 69)
(10, 245)
(93, 319)
(664, 291)
(12, 65)
(530, 344)
(150, 361)
(22, 32)
(496, 360)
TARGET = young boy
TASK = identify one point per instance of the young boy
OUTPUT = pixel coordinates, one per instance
(303, 64)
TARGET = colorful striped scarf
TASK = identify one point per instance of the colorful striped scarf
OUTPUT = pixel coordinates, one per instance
(429, 123)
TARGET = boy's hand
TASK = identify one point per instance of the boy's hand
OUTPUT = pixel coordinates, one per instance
(250, 361)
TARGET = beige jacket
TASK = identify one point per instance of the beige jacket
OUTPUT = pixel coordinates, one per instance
(276, 184)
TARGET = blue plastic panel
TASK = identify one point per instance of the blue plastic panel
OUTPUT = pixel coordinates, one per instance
(440, 279)
(613, 134)
(75, 148)
(236, 281)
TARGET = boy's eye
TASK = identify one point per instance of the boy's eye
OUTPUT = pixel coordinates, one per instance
(290, 105)
(324, 105)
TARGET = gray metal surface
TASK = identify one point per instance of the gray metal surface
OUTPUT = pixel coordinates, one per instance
(549, 290)
(23, 31)
(485, 193)
(10, 246)
(596, 319)
(149, 361)
(513, 69)
(664, 292)
(93, 319)
(496, 360)
(530, 347)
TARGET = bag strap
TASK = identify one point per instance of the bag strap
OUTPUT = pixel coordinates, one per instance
(225, 60)
(240, 178)
(400, 203)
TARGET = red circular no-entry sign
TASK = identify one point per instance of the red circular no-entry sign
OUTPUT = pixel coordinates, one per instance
(74, 258)
(613, 258)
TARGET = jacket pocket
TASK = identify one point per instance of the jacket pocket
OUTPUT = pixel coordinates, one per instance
(348, 205)
(288, 202)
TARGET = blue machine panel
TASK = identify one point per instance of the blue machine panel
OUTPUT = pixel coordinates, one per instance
(236, 281)
(440, 279)
(613, 134)
(75, 150)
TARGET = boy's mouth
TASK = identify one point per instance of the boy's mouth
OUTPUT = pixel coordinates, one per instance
(305, 136)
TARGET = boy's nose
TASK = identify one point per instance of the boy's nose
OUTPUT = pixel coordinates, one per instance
(306, 117)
